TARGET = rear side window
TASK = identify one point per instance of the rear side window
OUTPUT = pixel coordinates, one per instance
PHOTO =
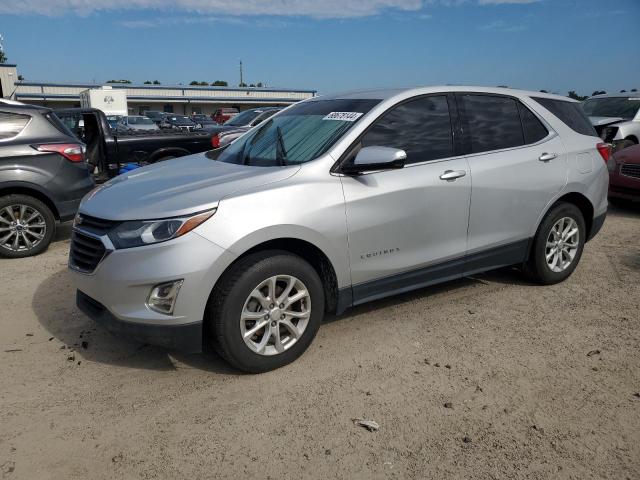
(493, 121)
(11, 124)
(533, 129)
(420, 127)
(570, 113)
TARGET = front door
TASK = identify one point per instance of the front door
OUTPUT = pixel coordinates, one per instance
(408, 227)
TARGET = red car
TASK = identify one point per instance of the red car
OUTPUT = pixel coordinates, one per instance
(223, 114)
(624, 173)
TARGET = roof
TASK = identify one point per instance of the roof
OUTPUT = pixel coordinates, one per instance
(6, 104)
(383, 94)
(617, 95)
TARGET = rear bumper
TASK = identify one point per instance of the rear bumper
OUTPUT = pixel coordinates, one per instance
(184, 337)
(596, 225)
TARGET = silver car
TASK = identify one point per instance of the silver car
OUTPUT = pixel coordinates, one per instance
(616, 117)
(333, 202)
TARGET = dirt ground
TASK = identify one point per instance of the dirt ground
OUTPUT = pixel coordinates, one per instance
(490, 377)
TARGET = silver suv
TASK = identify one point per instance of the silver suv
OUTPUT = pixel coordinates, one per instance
(333, 202)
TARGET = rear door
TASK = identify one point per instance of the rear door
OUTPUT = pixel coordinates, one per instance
(408, 227)
(518, 164)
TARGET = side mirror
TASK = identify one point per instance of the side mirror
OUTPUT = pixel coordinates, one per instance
(376, 158)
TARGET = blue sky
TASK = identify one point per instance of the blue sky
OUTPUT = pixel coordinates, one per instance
(329, 45)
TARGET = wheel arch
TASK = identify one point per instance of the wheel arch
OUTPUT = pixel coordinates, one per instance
(579, 200)
(633, 138)
(309, 252)
(20, 188)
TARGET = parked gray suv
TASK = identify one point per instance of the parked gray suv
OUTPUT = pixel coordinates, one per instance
(333, 202)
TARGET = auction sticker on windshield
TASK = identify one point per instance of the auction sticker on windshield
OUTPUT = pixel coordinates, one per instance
(344, 116)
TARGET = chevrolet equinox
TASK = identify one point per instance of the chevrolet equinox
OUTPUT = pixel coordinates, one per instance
(333, 202)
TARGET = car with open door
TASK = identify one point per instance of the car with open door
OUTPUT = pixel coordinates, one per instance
(334, 202)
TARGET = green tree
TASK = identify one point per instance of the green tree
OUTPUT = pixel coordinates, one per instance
(147, 82)
(598, 92)
(20, 78)
(220, 83)
(156, 82)
(3, 56)
(634, 89)
(199, 84)
(623, 91)
(119, 81)
(544, 91)
(259, 85)
(242, 84)
(572, 94)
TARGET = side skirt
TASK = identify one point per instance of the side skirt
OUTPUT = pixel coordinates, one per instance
(505, 255)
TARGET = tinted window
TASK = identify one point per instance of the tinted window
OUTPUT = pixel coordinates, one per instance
(55, 121)
(421, 127)
(625, 107)
(493, 121)
(11, 124)
(570, 113)
(534, 130)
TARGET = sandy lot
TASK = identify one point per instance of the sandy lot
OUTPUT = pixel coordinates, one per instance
(544, 382)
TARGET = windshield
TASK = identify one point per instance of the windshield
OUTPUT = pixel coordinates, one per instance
(140, 121)
(243, 118)
(624, 107)
(200, 118)
(298, 134)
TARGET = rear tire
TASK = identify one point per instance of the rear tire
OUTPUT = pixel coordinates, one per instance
(26, 226)
(558, 245)
(243, 302)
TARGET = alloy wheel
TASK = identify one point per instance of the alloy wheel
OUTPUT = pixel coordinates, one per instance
(22, 227)
(275, 315)
(562, 244)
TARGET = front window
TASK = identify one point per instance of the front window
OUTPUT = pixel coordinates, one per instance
(623, 107)
(180, 120)
(297, 135)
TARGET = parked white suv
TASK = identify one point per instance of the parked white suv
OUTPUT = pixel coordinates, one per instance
(333, 202)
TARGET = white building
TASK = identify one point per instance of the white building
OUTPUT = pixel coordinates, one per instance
(176, 98)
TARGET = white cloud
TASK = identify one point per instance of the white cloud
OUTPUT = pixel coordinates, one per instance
(502, 26)
(308, 8)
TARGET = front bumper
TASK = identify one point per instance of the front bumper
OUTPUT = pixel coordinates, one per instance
(185, 338)
(116, 292)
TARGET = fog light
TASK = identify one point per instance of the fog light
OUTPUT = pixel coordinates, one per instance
(163, 297)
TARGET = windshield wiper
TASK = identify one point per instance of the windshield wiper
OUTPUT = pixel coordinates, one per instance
(281, 151)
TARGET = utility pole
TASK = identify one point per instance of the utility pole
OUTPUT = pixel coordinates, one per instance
(241, 81)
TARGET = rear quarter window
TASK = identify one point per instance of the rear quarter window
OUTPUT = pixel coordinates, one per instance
(570, 113)
(11, 124)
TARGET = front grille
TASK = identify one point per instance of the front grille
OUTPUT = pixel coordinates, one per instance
(86, 252)
(95, 225)
(630, 170)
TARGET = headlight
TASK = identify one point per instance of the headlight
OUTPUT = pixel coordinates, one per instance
(146, 232)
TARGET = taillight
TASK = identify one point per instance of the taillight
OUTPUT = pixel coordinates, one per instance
(74, 152)
(605, 150)
(215, 141)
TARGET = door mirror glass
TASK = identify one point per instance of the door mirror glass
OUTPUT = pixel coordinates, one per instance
(377, 158)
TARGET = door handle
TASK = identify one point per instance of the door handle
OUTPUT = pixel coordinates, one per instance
(546, 157)
(452, 174)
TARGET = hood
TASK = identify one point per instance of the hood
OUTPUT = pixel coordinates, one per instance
(175, 187)
(601, 121)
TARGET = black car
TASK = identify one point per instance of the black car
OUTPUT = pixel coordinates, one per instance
(109, 150)
(43, 177)
(156, 116)
(179, 122)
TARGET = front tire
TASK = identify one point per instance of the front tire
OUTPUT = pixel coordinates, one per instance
(26, 226)
(265, 311)
(558, 245)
